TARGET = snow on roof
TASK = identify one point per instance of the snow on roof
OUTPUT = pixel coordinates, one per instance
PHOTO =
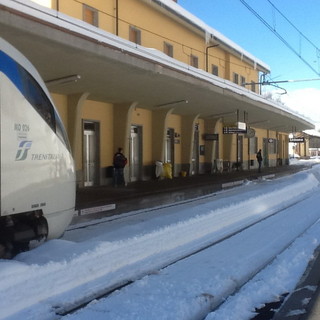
(211, 32)
(313, 133)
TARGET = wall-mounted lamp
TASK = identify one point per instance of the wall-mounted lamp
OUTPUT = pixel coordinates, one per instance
(63, 80)
(170, 103)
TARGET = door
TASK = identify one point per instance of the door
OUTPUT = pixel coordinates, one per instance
(90, 153)
(135, 165)
(240, 149)
(195, 152)
(169, 149)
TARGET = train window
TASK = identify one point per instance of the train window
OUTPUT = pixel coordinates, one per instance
(10, 68)
(33, 92)
(38, 99)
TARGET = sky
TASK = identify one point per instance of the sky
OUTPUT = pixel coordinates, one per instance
(234, 20)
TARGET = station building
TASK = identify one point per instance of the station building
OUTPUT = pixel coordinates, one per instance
(150, 77)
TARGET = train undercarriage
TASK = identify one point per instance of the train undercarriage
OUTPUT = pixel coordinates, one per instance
(16, 232)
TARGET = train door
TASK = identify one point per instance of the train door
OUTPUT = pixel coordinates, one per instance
(195, 152)
(169, 148)
(90, 153)
(135, 156)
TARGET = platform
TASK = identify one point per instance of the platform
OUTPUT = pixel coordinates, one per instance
(100, 201)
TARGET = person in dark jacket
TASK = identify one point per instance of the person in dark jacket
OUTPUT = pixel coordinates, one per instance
(259, 159)
(119, 162)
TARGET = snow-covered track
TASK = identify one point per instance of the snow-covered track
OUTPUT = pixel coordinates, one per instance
(205, 301)
(69, 308)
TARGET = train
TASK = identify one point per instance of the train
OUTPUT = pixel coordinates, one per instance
(38, 184)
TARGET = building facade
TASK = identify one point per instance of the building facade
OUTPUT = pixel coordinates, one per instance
(148, 76)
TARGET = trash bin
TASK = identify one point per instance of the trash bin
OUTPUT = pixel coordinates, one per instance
(167, 170)
(159, 169)
(183, 173)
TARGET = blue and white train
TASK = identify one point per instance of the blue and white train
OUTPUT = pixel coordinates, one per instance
(37, 169)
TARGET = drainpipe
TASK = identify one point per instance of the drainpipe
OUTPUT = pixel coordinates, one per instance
(117, 17)
(207, 49)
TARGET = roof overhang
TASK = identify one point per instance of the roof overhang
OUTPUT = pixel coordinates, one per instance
(118, 71)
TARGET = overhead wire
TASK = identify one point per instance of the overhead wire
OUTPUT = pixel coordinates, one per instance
(255, 13)
(300, 33)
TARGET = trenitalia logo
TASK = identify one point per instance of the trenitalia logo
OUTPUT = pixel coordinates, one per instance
(23, 149)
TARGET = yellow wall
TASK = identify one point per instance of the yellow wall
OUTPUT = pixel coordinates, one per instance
(157, 27)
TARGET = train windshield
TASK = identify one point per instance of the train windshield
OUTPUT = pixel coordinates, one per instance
(35, 95)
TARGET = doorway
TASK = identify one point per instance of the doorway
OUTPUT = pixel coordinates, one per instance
(195, 152)
(265, 154)
(169, 148)
(90, 153)
(135, 156)
(239, 149)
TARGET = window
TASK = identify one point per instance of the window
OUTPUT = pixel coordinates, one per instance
(168, 49)
(194, 61)
(135, 35)
(215, 70)
(38, 99)
(235, 78)
(242, 81)
(34, 94)
(90, 15)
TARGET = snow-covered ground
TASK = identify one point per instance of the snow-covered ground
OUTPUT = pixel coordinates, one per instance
(89, 259)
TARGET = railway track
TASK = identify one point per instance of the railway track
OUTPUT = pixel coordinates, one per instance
(67, 308)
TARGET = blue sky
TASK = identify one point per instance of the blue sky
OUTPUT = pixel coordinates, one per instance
(233, 19)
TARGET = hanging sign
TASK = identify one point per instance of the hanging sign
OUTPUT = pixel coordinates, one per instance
(233, 130)
(297, 140)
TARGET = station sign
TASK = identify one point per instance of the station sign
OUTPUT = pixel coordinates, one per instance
(239, 127)
(297, 139)
(233, 130)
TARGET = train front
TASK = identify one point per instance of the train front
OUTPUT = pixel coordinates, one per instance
(37, 168)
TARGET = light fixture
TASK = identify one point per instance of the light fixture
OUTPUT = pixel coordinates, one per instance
(220, 115)
(170, 103)
(63, 80)
(258, 122)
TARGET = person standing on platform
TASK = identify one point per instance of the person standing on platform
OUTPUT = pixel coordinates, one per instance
(259, 159)
(119, 162)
